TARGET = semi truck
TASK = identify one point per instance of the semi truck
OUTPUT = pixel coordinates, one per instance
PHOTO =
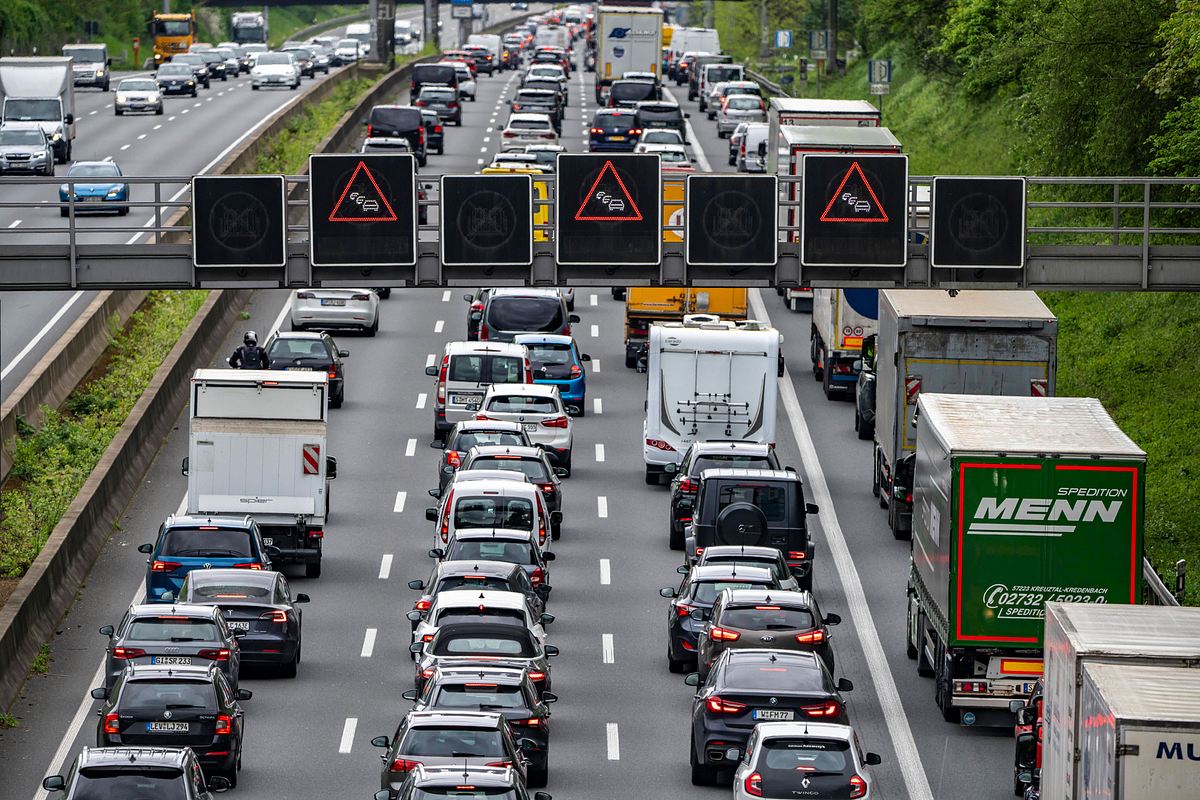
(172, 34)
(628, 40)
(1018, 502)
(258, 446)
(1083, 636)
(248, 27)
(841, 319)
(993, 343)
(645, 305)
(39, 92)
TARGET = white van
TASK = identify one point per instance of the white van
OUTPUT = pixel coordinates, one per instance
(708, 379)
(466, 371)
(494, 45)
(362, 32)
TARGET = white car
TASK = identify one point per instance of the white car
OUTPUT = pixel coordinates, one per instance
(466, 83)
(138, 94)
(493, 503)
(786, 758)
(347, 51)
(325, 309)
(660, 136)
(546, 154)
(546, 72)
(529, 129)
(274, 69)
(739, 108)
(670, 156)
(539, 409)
(466, 605)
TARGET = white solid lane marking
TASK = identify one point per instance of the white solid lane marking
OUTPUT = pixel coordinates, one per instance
(595, 331)
(446, 296)
(439, 325)
(599, 451)
(606, 648)
(385, 567)
(14, 223)
(410, 449)
(398, 507)
(429, 360)
(592, 299)
(614, 741)
(602, 507)
(347, 742)
(597, 405)
(124, 147)
(595, 365)
(605, 572)
(899, 730)
(368, 643)
(40, 334)
(421, 398)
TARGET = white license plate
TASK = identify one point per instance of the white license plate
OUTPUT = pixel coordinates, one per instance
(242, 625)
(167, 727)
(465, 399)
(268, 540)
(173, 661)
(299, 369)
(329, 301)
(530, 427)
(774, 714)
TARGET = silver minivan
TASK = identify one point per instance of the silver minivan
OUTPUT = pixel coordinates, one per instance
(466, 371)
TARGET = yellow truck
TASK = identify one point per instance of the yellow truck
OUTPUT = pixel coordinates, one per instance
(172, 34)
(645, 305)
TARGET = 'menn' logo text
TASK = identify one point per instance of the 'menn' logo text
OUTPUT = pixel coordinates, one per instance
(1036, 516)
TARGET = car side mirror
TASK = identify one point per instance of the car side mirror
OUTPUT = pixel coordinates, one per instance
(417, 585)
(219, 784)
(550, 650)
(364, 123)
(687, 115)
(436, 552)
(273, 551)
(383, 794)
(108, 62)
(184, 468)
(436, 493)
(146, 548)
(107, 630)
(546, 619)
(69, 119)
(698, 614)
(556, 517)
(431, 371)
(1025, 715)
(682, 569)
(857, 365)
(410, 694)
(437, 445)
(667, 592)
(671, 469)
(431, 514)
(762, 149)
(381, 741)
(542, 796)
(812, 508)
(330, 468)
(100, 694)
(1025, 777)
(542, 591)
(692, 679)
(561, 472)
(53, 783)
(833, 619)
(845, 685)
(413, 616)
(548, 556)
(549, 697)
(873, 760)
(584, 357)
(244, 694)
(416, 647)
(343, 353)
(302, 598)
(574, 318)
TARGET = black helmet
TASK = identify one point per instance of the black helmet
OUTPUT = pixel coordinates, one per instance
(250, 339)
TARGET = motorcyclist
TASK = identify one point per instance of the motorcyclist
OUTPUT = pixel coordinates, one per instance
(250, 355)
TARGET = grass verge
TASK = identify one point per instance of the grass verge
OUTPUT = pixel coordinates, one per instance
(51, 463)
(288, 152)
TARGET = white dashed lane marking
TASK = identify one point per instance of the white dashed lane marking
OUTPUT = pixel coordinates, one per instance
(398, 507)
(385, 567)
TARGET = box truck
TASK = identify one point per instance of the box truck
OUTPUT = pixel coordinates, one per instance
(1080, 635)
(994, 343)
(645, 305)
(39, 92)
(1018, 502)
(247, 27)
(841, 319)
(627, 40)
(258, 446)
(709, 378)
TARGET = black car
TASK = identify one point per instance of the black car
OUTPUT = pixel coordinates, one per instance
(178, 635)
(257, 603)
(422, 74)
(500, 576)
(753, 507)
(118, 772)
(152, 706)
(765, 557)
(746, 687)
(176, 79)
(306, 60)
(701, 456)
(215, 62)
(540, 101)
(655, 114)
(864, 391)
(507, 691)
(311, 352)
(508, 312)
(435, 134)
(498, 544)
(477, 300)
(481, 644)
(442, 99)
(532, 462)
(628, 93)
(613, 129)
(399, 122)
(692, 600)
(199, 67)
(472, 433)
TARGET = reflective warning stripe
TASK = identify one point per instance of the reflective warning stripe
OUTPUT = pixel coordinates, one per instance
(312, 459)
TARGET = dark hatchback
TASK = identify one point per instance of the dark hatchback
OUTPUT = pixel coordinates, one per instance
(442, 99)
(400, 122)
(692, 601)
(704, 455)
(627, 94)
(650, 115)
(423, 74)
(311, 352)
(507, 312)
(540, 101)
(613, 129)
(746, 687)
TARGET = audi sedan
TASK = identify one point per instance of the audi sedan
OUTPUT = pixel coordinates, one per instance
(328, 308)
(179, 635)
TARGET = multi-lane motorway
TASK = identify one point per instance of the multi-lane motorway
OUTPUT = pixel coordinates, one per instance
(620, 727)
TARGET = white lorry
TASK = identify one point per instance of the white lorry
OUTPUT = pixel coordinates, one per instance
(627, 40)
(363, 32)
(1082, 634)
(841, 319)
(709, 378)
(258, 446)
(39, 92)
(248, 27)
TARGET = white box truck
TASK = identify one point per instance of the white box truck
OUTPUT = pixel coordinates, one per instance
(258, 446)
(841, 319)
(628, 40)
(709, 378)
(1079, 634)
(986, 343)
(247, 27)
(39, 92)
(1141, 737)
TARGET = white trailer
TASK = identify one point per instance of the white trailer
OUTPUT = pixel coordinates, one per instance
(258, 446)
(708, 379)
(627, 40)
(1079, 634)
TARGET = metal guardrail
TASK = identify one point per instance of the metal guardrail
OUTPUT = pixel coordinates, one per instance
(768, 84)
(1155, 591)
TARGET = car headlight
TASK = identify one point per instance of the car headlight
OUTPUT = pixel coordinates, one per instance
(116, 190)
(56, 136)
(99, 73)
(191, 83)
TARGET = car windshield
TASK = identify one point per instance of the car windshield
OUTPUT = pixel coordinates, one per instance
(494, 512)
(122, 783)
(763, 675)
(547, 354)
(529, 124)
(137, 86)
(486, 369)
(168, 694)
(298, 350)
(707, 591)
(23, 110)
(672, 157)
(481, 695)
(469, 439)
(522, 404)
(743, 102)
(491, 550)
(531, 468)
(493, 644)
(174, 70)
(23, 137)
(207, 543)
(453, 743)
(100, 170)
(173, 27)
(767, 617)
(226, 590)
(530, 314)
(173, 629)
(771, 498)
(273, 59)
(85, 55)
(805, 756)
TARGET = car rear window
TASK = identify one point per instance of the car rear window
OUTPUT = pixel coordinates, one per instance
(206, 542)
(773, 565)
(528, 314)
(771, 498)
(499, 616)
(707, 591)
(453, 743)
(492, 550)
(464, 792)
(486, 369)
(395, 118)
(743, 102)
(114, 783)
(768, 617)
(537, 96)
(701, 463)
(660, 115)
(775, 676)
(547, 84)
(437, 94)
(631, 91)
(613, 122)
(529, 124)
(522, 404)
(231, 591)
(168, 694)
(433, 73)
(466, 441)
(805, 755)
(473, 582)
(531, 468)
(298, 350)
(481, 695)
(493, 512)
(718, 74)
(549, 354)
(168, 629)
(492, 644)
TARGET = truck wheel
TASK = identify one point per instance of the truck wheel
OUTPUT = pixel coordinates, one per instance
(288, 670)
(827, 379)
(910, 633)
(630, 360)
(924, 668)
(894, 523)
(675, 538)
(942, 692)
(312, 569)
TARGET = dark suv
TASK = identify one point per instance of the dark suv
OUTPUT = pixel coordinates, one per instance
(753, 507)
(507, 312)
(704, 455)
(306, 351)
(653, 114)
(423, 74)
(399, 122)
(136, 772)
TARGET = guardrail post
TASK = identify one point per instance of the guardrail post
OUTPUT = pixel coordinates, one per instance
(1146, 188)
(1116, 239)
(157, 212)
(1180, 579)
(71, 245)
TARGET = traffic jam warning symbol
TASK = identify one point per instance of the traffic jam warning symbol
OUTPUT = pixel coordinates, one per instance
(362, 200)
(854, 200)
(608, 200)
(854, 210)
(608, 210)
(362, 210)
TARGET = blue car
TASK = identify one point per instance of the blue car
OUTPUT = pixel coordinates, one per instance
(557, 361)
(188, 542)
(102, 192)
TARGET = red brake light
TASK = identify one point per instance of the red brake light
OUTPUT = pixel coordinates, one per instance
(556, 422)
(576, 371)
(445, 531)
(659, 444)
(164, 566)
(718, 705)
(688, 485)
(437, 128)
(830, 708)
(275, 616)
(546, 487)
(537, 676)
(597, 130)
(247, 566)
(753, 784)
(441, 388)
(812, 637)
(548, 135)
(122, 653)
(452, 104)
(423, 604)
(796, 555)
(224, 724)
(683, 609)
(454, 458)
(332, 374)
(717, 634)
(404, 765)
(221, 654)
(370, 127)
(499, 764)
(537, 577)
(858, 787)
(111, 725)
(419, 104)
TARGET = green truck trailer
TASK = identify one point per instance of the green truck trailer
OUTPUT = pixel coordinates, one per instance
(1018, 501)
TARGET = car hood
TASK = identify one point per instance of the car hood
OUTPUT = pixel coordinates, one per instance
(45, 126)
(21, 149)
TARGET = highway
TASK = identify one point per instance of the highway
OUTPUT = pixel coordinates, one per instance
(621, 726)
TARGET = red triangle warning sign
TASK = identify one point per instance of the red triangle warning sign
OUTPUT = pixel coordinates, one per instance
(854, 200)
(362, 200)
(608, 200)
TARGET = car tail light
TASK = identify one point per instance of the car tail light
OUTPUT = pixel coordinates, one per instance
(445, 531)
(576, 371)
(717, 634)
(635, 131)
(509, 135)
(597, 130)
(441, 388)
(556, 422)
(971, 687)
(215, 654)
(421, 135)
(548, 488)
(420, 104)
(332, 374)
(659, 444)
(830, 708)
(537, 676)
(122, 653)
(516, 106)
(454, 458)
(796, 555)
(499, 764)
(316, 534)
(532, 722)
(537, 577)
(224, 724)
(247, 565)
(428, 673)
(111, 724)
(484, 333)
(423, 604)
(164, 566)
(908, 497)
(699, 552)
(404, 765)
(360, 297)
(437, 128)
(719, 705)
(688, 485)
(275, 616)
(548, 135)
(452, 104)
(858, 787)
(683, 609)
(308, 295)
(371, 128)
(428, 637)
(753, 784)
(811, 637)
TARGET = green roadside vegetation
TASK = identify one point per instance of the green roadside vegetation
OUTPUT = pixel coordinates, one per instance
(286, 20)
(1053, 87)
(52, 462)
(287, 153)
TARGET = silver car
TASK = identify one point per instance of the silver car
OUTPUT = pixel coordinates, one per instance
(324, 309)
(25, 150)
(539, 409)
(138, 94)
(739, 108)
(785, 758)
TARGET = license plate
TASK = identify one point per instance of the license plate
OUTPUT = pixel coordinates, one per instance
(243, 625)
(774, 714)
(328, 301)
(172, 661)
(1027, 688)
(530, 427)
(167, 727)
(465, 399)
(298, 369)
(268, 540)
(616, 138)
